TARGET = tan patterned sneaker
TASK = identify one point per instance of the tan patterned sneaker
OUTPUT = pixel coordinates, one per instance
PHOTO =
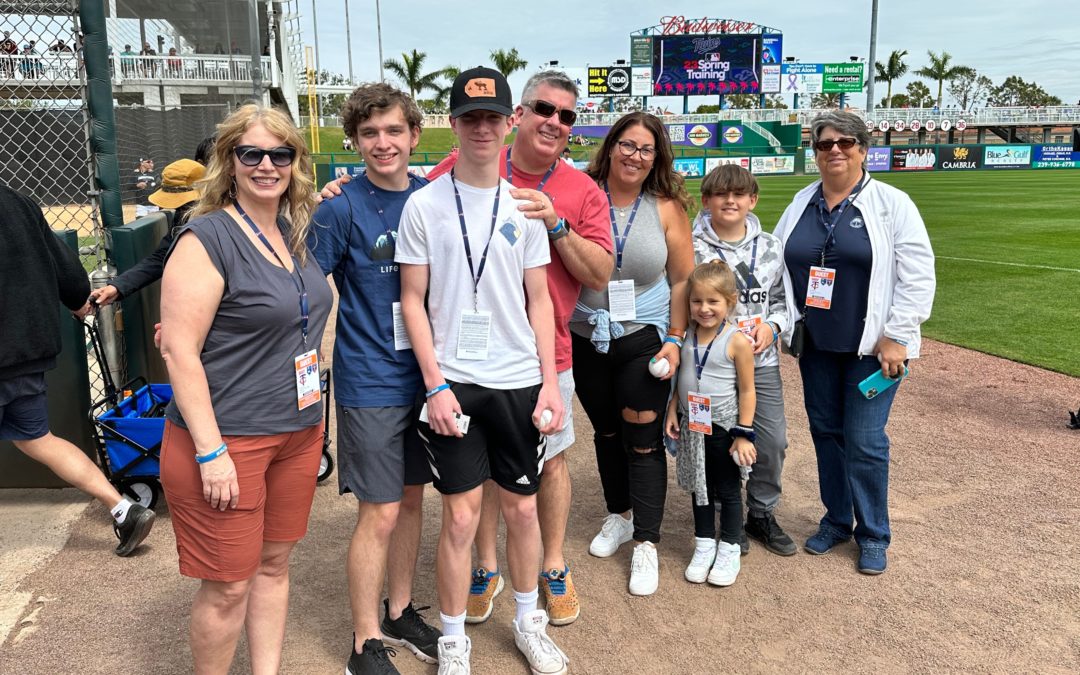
(560, 596)
(485, 587)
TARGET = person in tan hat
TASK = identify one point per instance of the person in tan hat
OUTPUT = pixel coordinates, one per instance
(177, 192)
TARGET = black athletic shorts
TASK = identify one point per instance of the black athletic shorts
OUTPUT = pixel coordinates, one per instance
(502, 444)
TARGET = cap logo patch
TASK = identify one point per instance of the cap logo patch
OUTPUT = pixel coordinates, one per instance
(480, 86)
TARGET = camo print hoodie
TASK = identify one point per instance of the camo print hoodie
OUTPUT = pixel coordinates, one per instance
(765, 296)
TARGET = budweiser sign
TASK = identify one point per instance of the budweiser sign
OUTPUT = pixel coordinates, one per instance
(676, 25)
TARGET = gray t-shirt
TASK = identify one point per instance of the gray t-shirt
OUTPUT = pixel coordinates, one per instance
(249, 352)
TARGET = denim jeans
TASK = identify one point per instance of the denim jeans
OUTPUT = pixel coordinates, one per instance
(850, 442)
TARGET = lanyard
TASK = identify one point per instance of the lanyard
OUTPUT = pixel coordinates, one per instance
(743, 285)
(823, 214)
(510, 171)
(301, 288)
(620, 239)
(699, 362)
(391, 234)
(478, 272)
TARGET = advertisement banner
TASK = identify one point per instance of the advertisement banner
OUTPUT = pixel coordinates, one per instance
(878, 158)
(713, 162)
(801, 78)
(697, 135)
(811, 165)
(690, 167)
(705, 64)
(1007, 156)
(733, 135)
(641, 50)
(772, 49)
(770, 78)
(842, 77)
(641, 81)
(911, 158)
(351, 169)
(959, 157)
(772, 165)
(1055, 157)
(609, 81)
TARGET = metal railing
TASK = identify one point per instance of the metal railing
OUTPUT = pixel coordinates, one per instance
(59, 69)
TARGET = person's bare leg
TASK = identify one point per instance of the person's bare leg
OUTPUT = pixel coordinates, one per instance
(461, 514)
(72, 465)
(217, 616)
(487, 533)
(366, 567)
(404, 548)
(267, 607)
(522, 539)
(553, 510)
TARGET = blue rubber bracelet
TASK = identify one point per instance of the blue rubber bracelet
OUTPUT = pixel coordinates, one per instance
(203, 459)
(431, 392)
(674, 340)
(558, 227)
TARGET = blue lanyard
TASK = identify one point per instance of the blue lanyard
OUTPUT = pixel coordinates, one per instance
(510, 171)
(699, 362)
(620, 239)
(830, 224)
(390, 232)
(301, 288)
(743, 285)
(478, 272)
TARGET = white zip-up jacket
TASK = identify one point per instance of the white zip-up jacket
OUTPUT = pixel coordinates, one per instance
(902, 279)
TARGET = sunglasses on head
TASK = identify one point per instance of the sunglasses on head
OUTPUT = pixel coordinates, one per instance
(546, 109)
(249, 155)
(844, 143)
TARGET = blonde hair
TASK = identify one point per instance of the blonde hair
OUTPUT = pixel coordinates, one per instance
(218, 187)
(716, 275)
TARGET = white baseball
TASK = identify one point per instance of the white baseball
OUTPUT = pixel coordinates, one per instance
(545, 418)
(659, 368)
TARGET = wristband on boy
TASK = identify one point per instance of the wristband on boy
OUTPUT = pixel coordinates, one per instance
(435, 390)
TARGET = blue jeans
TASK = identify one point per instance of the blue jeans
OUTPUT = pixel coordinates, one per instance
(851, 445)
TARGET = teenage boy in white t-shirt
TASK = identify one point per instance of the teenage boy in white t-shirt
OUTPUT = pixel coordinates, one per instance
(485, 354)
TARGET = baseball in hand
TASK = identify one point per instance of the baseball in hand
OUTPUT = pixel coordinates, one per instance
(659, 367)
(545, 418)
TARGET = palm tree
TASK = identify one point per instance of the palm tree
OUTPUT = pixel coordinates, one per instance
(939, 70)
(442, 93)
(821, 101)
(507, 62)
(409, 70)
(894, 69)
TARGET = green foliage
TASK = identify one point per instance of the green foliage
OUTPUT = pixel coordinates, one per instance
(1014, 91)
(969, 90)
(825, 100)
(890, 71)
(941, 71)
(328, 104)
(410, 71)
(508, 62)
(918, 95)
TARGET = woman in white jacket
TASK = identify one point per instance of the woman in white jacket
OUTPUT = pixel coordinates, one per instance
(859, 277)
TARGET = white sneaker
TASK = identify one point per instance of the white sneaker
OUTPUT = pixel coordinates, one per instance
(532, 640)
(615, 532)
(644, 569)
(726, 568)
(454, 651)
(701, 563)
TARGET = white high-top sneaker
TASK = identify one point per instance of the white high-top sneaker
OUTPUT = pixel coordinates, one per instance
(701, 563)
(726, 567)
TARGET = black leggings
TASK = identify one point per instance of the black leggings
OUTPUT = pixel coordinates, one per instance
(606, 385)
(724, 482)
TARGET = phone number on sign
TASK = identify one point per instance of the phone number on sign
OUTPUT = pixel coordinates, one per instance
(1063, 164)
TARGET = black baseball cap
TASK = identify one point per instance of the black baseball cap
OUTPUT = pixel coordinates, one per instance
(481, 89)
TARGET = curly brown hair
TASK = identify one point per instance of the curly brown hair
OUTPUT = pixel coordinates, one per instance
(377, 97)
(662, 180)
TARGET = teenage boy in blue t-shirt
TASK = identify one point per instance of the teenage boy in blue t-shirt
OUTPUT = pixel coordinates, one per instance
(377, 380)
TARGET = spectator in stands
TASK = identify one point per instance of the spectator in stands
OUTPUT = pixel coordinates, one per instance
(46, 272)
(60, 46)
(174, 62)
(31, 66)
(8, 51)
(149, 66)
(127, 65)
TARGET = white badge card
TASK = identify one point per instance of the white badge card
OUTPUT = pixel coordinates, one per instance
(401, 336)
(820, 287)
(699, 407)
(462, 421)
(474, 335)
(622, 302)
(308, 385)
(747, 325)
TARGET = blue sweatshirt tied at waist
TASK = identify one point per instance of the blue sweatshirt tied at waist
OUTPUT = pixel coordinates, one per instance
(653, 307)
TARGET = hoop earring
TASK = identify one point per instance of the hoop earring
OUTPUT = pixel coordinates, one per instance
(232, 190)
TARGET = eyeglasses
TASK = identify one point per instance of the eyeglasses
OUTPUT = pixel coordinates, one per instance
(546, 109)
(628, 149)
(249, 155)
(844, 143)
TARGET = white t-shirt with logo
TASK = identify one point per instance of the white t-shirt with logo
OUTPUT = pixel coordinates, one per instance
(430, 234)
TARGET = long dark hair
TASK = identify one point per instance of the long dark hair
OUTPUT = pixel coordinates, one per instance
(662, 180)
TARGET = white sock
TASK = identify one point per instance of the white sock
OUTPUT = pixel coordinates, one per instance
(453, 625)
(526, 602)
(120, 511)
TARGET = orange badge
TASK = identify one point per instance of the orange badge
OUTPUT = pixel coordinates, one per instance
(480, 86)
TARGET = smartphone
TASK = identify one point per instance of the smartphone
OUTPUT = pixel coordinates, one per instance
(879, 382)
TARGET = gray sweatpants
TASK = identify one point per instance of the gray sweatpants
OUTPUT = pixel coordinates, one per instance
(763, 489)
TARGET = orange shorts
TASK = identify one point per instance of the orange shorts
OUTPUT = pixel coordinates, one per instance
(277, 477)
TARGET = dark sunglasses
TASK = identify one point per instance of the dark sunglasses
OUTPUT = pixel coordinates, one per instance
(844, 143)
(546, 109)
(249, 155)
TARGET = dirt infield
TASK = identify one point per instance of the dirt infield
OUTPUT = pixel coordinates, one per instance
(78, 217)
(983, 577)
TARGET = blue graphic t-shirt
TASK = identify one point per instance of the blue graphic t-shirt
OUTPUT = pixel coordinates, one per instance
(351, 240)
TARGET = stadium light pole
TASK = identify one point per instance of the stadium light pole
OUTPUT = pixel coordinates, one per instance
(873, 56)
(348, 40)
(378, 29)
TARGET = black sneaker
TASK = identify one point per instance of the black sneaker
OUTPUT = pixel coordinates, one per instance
(411, 632)
(134, 529)
(373, 659)
(744, 544)
(769, 532)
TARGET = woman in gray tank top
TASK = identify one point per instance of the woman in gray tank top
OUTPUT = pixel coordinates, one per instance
(641, 317)
(243, 308)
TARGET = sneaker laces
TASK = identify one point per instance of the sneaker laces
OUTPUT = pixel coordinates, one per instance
(611, 525)
(556, 581)
(641, 561)
(479, 581)
(411, 616)
(541, 646)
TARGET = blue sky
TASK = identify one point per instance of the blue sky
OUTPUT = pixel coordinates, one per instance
(1036, 39)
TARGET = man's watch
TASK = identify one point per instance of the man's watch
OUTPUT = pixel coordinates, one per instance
(561, 229)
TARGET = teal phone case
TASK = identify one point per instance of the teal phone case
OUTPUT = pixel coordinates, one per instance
(878, 382)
